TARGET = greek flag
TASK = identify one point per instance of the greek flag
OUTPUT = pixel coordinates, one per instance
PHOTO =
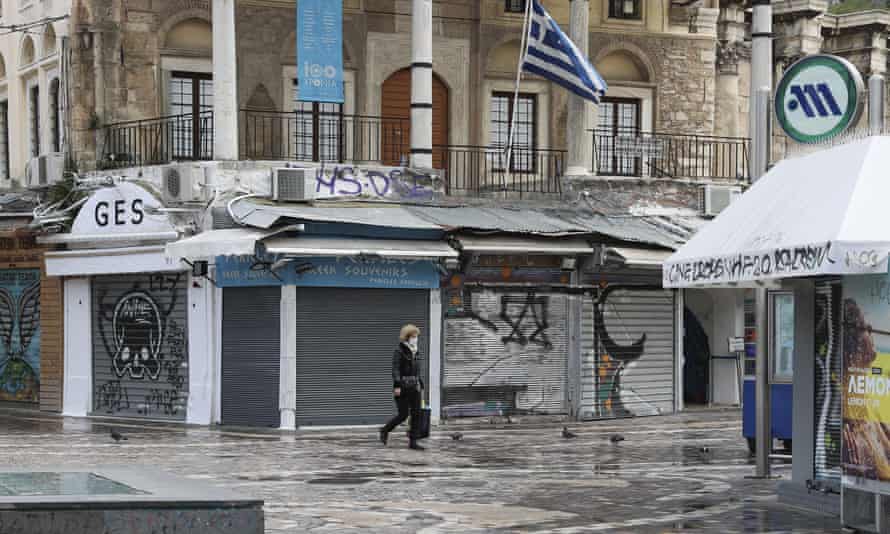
(554, 56)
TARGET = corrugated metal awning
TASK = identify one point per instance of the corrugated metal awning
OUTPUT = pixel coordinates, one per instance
(343, 246)
(638, 257)
(524, 245)
(228, 242)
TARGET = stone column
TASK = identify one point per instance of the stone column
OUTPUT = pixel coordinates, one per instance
(578, 138)
(422, 84)
(225, 82)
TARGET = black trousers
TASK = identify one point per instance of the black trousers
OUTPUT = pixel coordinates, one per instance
(408, 404)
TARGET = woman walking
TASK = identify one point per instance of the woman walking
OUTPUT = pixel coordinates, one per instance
(407, 385)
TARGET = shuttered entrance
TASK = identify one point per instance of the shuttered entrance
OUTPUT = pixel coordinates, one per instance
(627, 352)
(345, 342)
(506, 352)
(140, 352)
(829, 363)
(251, 356)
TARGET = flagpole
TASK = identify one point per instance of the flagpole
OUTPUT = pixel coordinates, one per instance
(522, 51)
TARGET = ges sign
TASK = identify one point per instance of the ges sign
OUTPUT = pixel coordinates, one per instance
(818, 98)
(120, 212)
(124, 208)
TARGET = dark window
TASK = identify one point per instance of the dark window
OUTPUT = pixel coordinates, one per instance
(618, 117)
(4, 139)
(190, 97)
(34, 110)
(625, 9)
(525, 126)
(56, 114)
(515, 6)
(318, 132)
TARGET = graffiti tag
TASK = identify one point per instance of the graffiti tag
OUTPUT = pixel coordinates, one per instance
(784, 261)
(354, 182)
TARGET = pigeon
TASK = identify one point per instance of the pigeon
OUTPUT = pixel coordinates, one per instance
(616, 438)
(457, 436)
(116, 436)
(566, 434)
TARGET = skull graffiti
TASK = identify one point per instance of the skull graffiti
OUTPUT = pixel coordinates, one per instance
(138, 336)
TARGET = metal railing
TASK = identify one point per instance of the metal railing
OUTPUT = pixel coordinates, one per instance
(157, 141)
(477, 170)
(320, 136)
(657, 155)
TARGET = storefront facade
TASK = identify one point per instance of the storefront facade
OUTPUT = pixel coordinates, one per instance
(310, 343)
(137, 324)
(30, 325)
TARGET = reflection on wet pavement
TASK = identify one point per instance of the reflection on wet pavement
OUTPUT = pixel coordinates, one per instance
(684, 473)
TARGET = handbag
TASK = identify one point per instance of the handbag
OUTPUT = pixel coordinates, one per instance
(422, 426)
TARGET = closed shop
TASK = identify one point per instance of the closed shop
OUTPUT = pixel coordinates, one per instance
(627, 352)
(311, 343)
(251, 360)
(507, 328)
(345, 342)
(828, 381)
(30, 326)
(506, 352)
(140, 345)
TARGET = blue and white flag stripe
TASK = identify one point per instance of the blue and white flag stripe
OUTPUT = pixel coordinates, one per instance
(554, 56)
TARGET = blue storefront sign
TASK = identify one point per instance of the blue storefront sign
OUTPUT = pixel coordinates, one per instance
(320, 50)
(240, 271)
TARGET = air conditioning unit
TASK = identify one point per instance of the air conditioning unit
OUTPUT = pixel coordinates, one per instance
(46, 169)
(293, 185)
(715, 198)
(184, 183)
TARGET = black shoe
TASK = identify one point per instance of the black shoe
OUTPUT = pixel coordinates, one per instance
(415, 446)
(384, 437)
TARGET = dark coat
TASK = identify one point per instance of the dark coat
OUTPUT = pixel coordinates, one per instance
(406, 368)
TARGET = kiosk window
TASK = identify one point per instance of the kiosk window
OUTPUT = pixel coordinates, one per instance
(782, 338)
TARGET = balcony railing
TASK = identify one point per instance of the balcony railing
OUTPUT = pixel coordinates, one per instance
(657, 155)
(478, 170)
(156, 141)
(334, 138)
(327, 137)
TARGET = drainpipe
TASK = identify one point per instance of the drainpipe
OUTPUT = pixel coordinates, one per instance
(422, 84)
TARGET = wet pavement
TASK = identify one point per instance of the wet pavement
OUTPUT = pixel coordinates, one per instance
(684, 473)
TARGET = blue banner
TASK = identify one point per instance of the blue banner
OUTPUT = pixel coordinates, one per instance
(241, 271)
(320, 50)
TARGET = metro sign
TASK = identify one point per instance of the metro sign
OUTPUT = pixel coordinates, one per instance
(818, 98)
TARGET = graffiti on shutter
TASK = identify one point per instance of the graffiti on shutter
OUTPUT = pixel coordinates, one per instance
(20, 335)
(828, 377)
(506, 352)
(141, 358)
(629, 370)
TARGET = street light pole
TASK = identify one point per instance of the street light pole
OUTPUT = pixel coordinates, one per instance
(759, 120)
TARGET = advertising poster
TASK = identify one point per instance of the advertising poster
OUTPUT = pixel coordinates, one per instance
(866, 400)
(320, 50)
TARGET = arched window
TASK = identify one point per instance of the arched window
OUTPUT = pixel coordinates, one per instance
(27, 55)
(49, 41)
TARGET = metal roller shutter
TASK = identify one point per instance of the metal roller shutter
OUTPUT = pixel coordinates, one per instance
(345, 342)
(251, 356)
(507, 353)
(140, 352)
(828, 381)
(627, 353)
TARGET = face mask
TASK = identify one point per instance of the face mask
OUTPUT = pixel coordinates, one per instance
(412, 342)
